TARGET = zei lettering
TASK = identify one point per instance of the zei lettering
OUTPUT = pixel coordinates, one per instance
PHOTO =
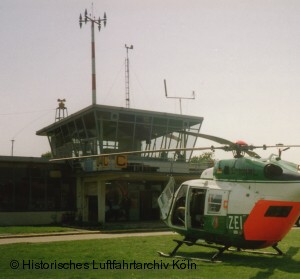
(235, 223)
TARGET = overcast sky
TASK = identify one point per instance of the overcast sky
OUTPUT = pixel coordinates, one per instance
(242, 59)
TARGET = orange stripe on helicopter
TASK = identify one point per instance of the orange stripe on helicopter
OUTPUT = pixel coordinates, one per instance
(270, 221)
(225, 204)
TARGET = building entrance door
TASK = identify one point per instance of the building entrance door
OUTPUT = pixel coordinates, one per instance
(148, 206)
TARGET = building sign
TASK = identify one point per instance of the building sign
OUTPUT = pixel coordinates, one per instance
(121, 161)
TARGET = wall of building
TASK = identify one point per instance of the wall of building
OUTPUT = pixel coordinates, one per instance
(34, 191)
(37, 192)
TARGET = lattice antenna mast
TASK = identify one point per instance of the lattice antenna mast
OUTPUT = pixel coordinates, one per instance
(93, 21)
(61, 110)
(127, 89)
(179, 98)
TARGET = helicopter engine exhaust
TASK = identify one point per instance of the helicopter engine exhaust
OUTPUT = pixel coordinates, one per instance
(272, 171)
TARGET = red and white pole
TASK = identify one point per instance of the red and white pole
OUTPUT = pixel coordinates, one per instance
(93, 66)
(98, 22)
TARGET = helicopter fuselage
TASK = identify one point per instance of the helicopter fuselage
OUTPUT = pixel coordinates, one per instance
(242, 202)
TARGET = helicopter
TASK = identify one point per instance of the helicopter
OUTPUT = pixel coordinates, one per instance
(245, 203)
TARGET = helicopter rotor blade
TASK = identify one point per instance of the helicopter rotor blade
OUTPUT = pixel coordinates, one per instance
(228, 146)
(140, 152)
(209, 137)
(225, 141)
(276, 146)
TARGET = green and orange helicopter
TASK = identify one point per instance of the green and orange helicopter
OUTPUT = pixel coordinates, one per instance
(243, 203)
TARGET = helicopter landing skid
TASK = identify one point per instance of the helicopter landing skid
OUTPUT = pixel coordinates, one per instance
(186, 258)
(279, 252)
(190, 243)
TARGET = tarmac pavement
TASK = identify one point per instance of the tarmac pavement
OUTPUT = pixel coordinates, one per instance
(71, 236)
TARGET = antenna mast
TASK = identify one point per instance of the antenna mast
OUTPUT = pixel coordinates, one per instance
(12, 147)
(93, 21)
(180, 98)
(127, 90)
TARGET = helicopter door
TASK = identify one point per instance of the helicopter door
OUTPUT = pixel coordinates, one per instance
(197, 205)
(216, 210)
(165, 200)
(179, 208)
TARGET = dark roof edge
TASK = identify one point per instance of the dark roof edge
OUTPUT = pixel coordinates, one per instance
(41, 132)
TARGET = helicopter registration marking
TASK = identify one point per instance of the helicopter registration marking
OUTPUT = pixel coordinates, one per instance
(235, 222)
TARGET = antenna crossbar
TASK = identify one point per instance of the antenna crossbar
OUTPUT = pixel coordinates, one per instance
(179, 98)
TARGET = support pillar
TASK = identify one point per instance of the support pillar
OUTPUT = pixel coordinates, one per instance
(79, 198)
(101, 201)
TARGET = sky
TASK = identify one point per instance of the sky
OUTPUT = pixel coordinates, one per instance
(241, 57)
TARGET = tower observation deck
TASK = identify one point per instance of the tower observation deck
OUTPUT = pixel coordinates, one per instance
(100, 129)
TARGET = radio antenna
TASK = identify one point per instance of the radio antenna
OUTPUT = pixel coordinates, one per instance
(179, 98)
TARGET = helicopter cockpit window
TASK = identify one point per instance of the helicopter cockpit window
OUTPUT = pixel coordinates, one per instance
(214, 203)
(178, 217)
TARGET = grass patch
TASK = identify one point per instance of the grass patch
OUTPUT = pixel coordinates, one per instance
(32, 229)
(83, 259)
